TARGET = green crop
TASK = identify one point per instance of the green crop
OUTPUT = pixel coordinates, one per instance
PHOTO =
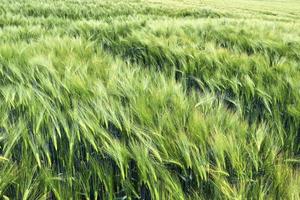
(145, 99)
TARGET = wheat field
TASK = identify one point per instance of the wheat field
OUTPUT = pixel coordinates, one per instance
(149, 99)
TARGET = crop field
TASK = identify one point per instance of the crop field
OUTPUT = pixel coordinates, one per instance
(149, 99)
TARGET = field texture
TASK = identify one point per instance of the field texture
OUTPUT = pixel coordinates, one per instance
(149, 99)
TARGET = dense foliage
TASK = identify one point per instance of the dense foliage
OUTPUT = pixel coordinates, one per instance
(149, 99)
